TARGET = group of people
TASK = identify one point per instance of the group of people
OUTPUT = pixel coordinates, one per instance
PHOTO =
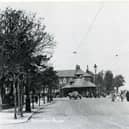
(120, 96)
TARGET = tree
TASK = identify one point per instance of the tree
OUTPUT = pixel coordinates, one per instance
(22, 39)
(108, 81)
(118, 81)
(100, 82)
(50, 79)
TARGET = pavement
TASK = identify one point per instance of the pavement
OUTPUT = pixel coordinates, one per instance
(8, 118)
(7, 115)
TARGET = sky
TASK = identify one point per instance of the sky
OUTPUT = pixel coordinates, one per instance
(86, 33)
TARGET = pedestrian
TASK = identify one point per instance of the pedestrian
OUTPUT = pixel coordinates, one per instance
(127, 95)
(122, 96)
(113, 96)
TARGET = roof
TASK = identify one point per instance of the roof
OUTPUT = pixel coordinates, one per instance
(65, 73)
(79, 72)
(87, 75)
(71, 73)
(80, 83)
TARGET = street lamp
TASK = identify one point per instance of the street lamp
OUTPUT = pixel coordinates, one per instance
(95, 68)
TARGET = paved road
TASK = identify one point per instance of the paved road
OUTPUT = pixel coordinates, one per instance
(79, 114)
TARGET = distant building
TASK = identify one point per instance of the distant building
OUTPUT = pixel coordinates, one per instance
(76, 80)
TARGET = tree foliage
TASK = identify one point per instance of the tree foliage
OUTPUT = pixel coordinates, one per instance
(100, 82)
(100, 78)
(21, 36)
(108, 81)
(118, 81)
(50, 79)
(24, 43)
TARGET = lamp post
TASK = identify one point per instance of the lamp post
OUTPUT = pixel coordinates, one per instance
(95, 68)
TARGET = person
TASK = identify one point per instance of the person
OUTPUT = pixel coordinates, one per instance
(127, 95)
(122, 95)
(113, 96)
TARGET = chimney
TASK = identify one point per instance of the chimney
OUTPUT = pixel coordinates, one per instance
(77, 67)
(87, 69)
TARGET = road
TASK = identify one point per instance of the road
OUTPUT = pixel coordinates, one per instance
(79, 114)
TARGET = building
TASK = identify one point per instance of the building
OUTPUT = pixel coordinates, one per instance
(76, 80)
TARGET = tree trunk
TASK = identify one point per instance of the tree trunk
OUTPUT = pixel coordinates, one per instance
(117, 89)
(28, 104)
(15, 98)
(39, 99)
(19, 97)
(21, 105)
(33, 100)
(48, 94)
(2, 93)
(51, 97)
(0, 100)
(28, 107)
(44, 95)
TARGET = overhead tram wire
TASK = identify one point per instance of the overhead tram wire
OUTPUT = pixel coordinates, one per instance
(90, 27)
